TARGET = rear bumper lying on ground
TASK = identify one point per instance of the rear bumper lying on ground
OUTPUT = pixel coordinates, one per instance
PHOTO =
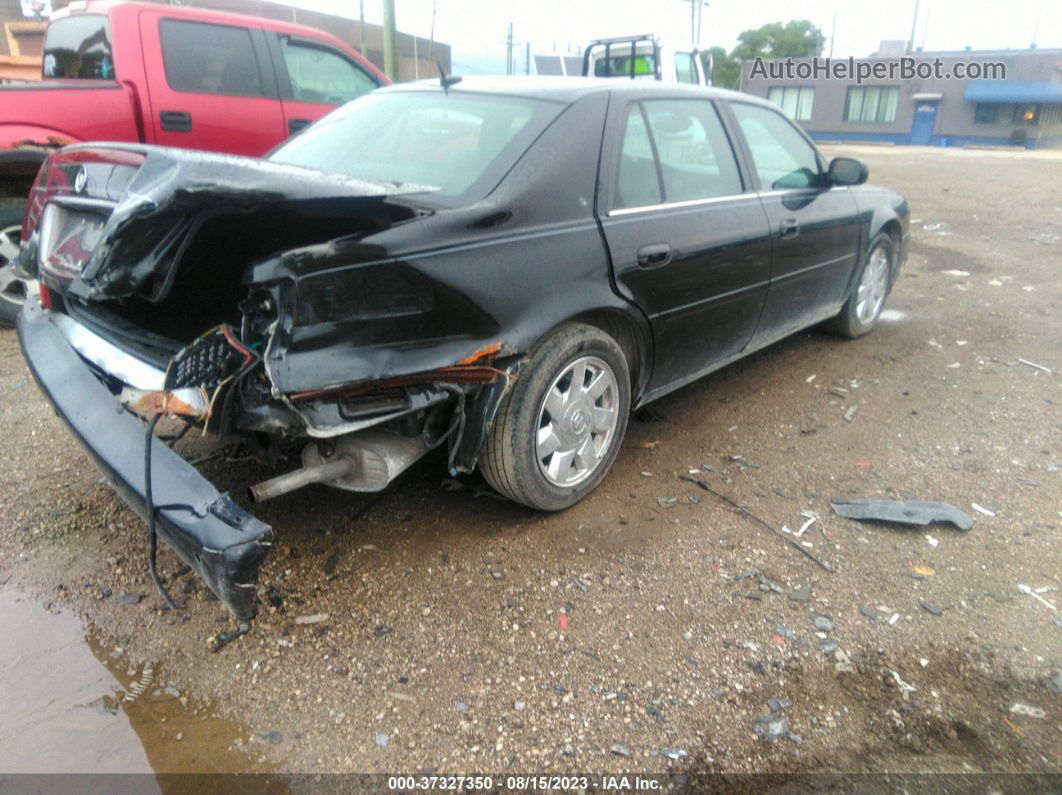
(223, 543)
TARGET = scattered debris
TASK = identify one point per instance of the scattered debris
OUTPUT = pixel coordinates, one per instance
(921, 571)
(621, 749)
(982, 509)
(843, 662)
(901, 512)
(743, 510)
(931, 608)
(317, 618)
(1035, 594)
(1024, 709)
(382, 740)
(956, 273)
(562, 621)
(582, 586)
(223, 639)
(461, 706)
(1036, 366)
(933, 542)
(129, 598)
(893, 619)
(850, 414)
(666, 502)
(823, 623)
(674, 754)
(905, 688)
(137, 688)
(273, 737)
(828, 646)
(779, 704)
(801, 594)
(774, 728)
(872, 614)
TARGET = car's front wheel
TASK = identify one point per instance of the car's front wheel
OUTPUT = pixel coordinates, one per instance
(559, 429)
(863, 307)
(13, 289)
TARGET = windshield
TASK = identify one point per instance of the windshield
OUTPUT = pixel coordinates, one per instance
(459, 144)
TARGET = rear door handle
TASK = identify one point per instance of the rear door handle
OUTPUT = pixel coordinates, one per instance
(654, 255)
(790, 228)
(297, 125)
(175, 120)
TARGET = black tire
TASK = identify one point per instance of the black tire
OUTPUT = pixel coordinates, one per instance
(849, 322)
(510, 461)
(12, 293)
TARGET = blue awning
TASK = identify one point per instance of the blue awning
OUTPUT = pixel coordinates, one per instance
(1013, 91)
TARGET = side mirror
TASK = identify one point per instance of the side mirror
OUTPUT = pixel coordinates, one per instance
(846, 171)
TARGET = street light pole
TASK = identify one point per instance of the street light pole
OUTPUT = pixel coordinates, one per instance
(390, 61)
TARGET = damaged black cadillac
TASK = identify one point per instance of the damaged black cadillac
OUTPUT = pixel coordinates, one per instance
(498, 269)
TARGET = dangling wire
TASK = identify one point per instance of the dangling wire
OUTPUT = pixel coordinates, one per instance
(150, 505)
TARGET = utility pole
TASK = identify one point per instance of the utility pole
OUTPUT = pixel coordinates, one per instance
(833, 32)
(527, 58)
(390, 61)
(431, 41)
(700, 13)
(361, 28)
(509, 50)
(914, 24)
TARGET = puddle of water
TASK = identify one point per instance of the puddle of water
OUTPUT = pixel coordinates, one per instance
(63, 706)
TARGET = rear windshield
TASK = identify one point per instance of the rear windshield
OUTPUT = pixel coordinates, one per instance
(459, 144)
(79, 48)
(622, 65)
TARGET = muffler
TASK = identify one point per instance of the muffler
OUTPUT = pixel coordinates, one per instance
(365, 461)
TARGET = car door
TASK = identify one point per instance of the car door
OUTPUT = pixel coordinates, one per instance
(314, 79)
(211, 86)
(688, 243)
(814, 227)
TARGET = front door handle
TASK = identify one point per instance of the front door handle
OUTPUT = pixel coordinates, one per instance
(654, 255)
(790, 227)
(175, 120)
(298, 125)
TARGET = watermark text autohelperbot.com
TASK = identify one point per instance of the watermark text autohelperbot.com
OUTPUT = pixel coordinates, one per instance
(903, 68)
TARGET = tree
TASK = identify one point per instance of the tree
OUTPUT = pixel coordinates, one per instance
(798, 38)
(725, 71)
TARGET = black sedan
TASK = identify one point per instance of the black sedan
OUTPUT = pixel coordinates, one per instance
(502, 269)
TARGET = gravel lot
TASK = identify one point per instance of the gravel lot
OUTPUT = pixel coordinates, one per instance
(465, 634)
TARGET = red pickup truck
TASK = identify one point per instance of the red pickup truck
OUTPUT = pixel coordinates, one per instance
(165, 75)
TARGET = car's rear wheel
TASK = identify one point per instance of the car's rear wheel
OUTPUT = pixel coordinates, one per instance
(863, 308)
(560, 428)
(13, 290)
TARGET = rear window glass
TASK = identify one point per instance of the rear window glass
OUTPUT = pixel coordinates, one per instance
(209, 59)
(456, 143)
(79, 48)
(620, 64)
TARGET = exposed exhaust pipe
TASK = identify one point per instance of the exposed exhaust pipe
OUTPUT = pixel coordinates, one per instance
(363, 461)
(290, 481)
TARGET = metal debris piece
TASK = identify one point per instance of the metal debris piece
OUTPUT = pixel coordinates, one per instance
(1036, 366)
(621, 749)
(1026, 589)
(905, 688)
(872, 614)
(982, 509)
(931, 608)
(582, 586)
(911, 512)
(774, 728)
(674, 754)
(382, 740)
(849, 415)
(317, 618)
(779, 704)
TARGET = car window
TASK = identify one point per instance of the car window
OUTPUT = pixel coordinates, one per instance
(209, 59)
(79, 48)
(781, 155)
(448, 142)
(696, 161)
(685, 68)
(641, 66)
(320, 75)
(637, 182)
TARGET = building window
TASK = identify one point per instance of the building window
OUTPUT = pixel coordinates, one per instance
(986, 113)
(871, 103)
(795, 102)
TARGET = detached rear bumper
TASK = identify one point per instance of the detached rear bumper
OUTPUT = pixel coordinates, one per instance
(223, 543)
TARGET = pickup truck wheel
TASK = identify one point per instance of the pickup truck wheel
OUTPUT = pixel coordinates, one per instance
(13, 290)
(863, 307)
(560, 428)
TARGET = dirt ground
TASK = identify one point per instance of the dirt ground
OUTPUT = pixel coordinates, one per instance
(636, 632)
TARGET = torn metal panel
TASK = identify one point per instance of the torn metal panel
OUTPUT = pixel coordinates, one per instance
(910, 512)
(188, 402)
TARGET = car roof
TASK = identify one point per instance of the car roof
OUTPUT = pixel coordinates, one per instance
(570, 89)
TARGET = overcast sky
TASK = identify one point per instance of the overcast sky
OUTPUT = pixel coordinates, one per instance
(477, 28)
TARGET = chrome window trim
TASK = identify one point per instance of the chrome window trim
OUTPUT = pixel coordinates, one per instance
(645, 208)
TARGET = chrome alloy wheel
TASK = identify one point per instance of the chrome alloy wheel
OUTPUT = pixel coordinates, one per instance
(577, 421)
(12, 288)
(873, 286)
